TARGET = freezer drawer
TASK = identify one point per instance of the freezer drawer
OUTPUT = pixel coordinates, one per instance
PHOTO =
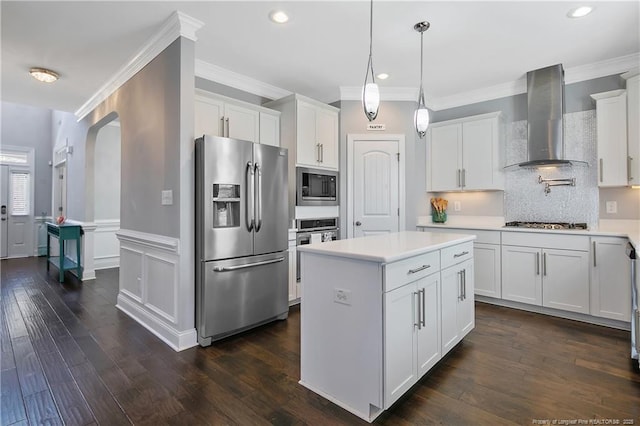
(242, 293)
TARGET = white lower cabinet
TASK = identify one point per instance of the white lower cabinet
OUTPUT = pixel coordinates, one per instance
(412, 334)
(487, 270)
(610, 278)
(457, 304)
(543, 274)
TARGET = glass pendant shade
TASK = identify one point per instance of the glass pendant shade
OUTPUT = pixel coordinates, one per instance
(421, 116)
(371, 100)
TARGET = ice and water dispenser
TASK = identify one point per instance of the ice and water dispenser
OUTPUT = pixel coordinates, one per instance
(226, 205)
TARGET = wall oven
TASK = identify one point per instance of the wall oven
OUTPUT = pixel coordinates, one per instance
(316, 187)
(314, 231)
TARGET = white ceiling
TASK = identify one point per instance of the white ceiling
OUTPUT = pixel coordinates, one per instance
(470, 46)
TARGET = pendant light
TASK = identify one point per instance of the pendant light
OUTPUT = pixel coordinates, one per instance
(370, 92)
(421, 117)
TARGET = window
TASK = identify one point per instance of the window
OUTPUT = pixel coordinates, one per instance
(20, 193)
(12, 158)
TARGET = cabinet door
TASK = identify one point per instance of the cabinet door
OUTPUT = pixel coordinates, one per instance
(242, 123)
(522, 274)
(565, 280)
(269, 129)
(400, 326)
(479, 139)
(466, 318)
(293, 284)
(610, 278)
(327, 134)
(429, 333)
(208, 117)
(611, 129)
(633, 128)
(487, 270)
(445, 168)
(307, 147)
(451, 294)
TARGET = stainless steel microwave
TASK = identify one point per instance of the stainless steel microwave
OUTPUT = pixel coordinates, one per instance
(315, 187)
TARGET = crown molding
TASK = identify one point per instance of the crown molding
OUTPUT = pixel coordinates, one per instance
(605, 68)
(176, 25)
(229, 78)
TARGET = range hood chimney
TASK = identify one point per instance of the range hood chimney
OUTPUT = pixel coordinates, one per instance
(545, 101)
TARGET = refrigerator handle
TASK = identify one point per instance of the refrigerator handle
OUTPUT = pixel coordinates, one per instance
(249, 196)
(258, 214)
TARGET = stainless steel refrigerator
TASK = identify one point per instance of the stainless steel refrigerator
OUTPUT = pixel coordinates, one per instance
(241, 236)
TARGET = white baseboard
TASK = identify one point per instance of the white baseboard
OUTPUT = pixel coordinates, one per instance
(106, 262)
(177, 340)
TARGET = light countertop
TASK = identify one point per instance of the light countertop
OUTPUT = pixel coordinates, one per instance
(387, 248)
(606, 227)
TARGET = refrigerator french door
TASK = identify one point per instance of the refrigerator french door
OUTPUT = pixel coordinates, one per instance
(241, 236)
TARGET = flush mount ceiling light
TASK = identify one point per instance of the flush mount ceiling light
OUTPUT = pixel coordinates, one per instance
(370, 92)
(579, 12)
(279, 17)
(421, 116)
(44, 75)
(383, 76)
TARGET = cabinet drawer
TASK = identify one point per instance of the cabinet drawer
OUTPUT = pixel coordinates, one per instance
(404, 271)
(456, 254)
(546, 240)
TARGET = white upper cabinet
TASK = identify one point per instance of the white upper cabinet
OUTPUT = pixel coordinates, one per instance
(220, 116)
(633, 128)
(611, 122)
(465, 154)
(310, 128)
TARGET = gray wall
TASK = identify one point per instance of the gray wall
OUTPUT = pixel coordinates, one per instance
(28, 126)
(107, 173)
(221, 89)
(398, 119)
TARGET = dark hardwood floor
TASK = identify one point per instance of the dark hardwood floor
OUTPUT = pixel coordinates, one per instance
(70, 357)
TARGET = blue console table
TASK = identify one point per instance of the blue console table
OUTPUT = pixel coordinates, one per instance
(64, 232)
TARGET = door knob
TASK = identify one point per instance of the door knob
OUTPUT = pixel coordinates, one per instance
(358, 223)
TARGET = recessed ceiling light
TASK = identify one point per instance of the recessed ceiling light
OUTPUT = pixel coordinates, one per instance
(383, 76)
(579, 12)
(278, 16)
(43, 74)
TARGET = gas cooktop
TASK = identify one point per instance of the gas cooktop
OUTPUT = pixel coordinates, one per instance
(546, 225)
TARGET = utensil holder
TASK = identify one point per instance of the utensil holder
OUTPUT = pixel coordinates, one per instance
(438, 217)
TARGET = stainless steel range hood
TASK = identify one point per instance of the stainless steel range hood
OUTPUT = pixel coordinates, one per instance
(545, 101)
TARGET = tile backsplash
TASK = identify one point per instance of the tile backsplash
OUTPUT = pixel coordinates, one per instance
(524, 197)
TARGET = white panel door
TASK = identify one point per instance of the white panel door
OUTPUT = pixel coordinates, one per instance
(242, 123)
(208, 116)
(400, 326)
(444, 158)
(487, 270)
(610, 278)
(4, 210)
(375, 186)
(522, 274)
(565, 280)
(307, 148)
(477, 155)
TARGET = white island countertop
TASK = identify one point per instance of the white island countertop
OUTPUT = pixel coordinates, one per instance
(387, 248)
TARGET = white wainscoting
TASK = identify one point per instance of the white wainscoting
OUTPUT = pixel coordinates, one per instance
(106, 251)
(150, 285)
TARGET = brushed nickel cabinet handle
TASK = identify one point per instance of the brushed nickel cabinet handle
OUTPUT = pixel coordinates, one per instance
(460, 286)
(228, 131)
(538, 263)
(629, 177)
(222, 124)
(422, 268)
(594, 254)
(423, 321)
(601, 170)
(459, 179)
(544, 264)
(416, 303)
(464, 177)
(460, 254)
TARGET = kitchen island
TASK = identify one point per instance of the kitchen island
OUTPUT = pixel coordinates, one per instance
(378, 312)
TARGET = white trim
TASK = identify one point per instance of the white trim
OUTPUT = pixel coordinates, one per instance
(351, 138)
(607, 95)
(106, 262)
(158, 311)
(177, 340)
(161, 242)
(176, 25)
(229, 78)
(621, 325)
(107, 225)
(577, 74)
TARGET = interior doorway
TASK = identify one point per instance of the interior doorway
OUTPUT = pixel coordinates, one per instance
(376, 184)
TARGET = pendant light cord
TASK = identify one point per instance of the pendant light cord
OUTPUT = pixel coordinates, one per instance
(370, 64)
